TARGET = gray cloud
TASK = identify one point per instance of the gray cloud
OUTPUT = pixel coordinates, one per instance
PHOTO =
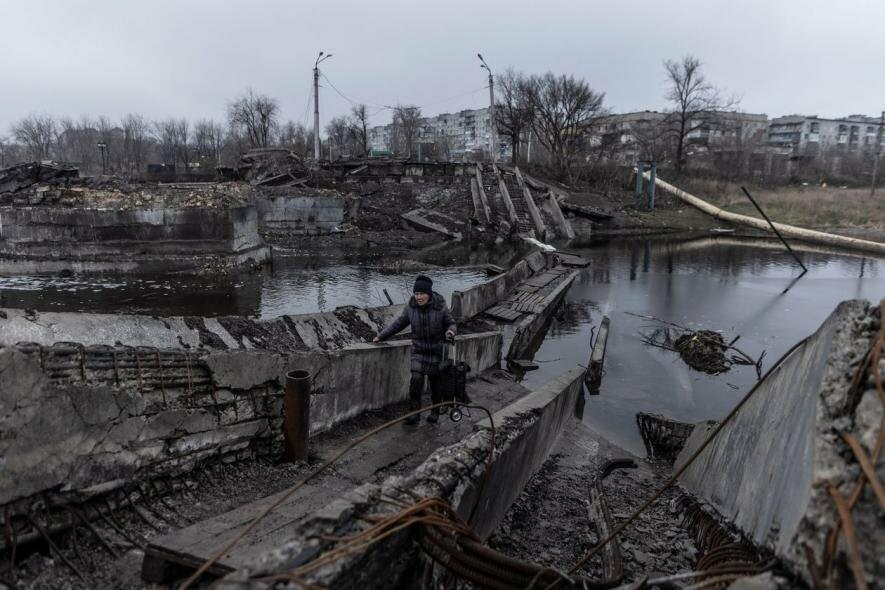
(188, 58)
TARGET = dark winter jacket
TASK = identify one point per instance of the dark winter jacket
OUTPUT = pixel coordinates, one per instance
(429, 326)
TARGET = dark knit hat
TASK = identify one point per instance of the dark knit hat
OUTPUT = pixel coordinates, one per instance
(423, 284)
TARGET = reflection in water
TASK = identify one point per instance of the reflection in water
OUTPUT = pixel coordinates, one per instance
(294, 285)
(704, 283)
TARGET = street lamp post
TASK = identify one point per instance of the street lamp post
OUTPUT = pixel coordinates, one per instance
(102, 148)
(493, 148)
(316, 104)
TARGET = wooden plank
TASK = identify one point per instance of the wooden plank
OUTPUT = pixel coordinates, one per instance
(593, 378)
(503, 313)
(572, 259)
(600, 516)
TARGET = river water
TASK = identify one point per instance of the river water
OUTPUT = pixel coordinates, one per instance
(295, 285)
(747, 289)
(722, 284)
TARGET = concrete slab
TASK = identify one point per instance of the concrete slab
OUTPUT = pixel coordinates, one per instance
(396, 450)
(453, 473)
(434, 221)
(768, 470)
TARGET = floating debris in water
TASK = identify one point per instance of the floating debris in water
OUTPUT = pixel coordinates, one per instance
(702, 350)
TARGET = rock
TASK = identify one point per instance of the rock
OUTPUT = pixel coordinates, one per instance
(641, 557)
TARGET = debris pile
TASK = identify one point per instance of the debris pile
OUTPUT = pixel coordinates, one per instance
(663, 437)
(703, 350)
(60, 185)
(23, 176)
(271, 167)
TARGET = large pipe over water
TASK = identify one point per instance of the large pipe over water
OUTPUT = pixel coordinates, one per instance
(296, 416)
(790, 231)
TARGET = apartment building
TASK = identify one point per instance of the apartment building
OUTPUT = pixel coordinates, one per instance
(801, 133)
(463, 133)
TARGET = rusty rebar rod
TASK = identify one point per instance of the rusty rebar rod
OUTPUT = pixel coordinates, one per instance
(774, 229)
(53, 547)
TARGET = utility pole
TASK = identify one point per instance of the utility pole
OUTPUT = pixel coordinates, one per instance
(316, 104)
(493, 148)
(102, 149)
(878, 153)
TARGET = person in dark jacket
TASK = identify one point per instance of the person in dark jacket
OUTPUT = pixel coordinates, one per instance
(431, 323)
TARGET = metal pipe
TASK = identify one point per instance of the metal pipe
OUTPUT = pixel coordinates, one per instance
(773, 228)
(296, 416)
(806, 235)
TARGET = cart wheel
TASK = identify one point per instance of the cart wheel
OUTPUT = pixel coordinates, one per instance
(455, 415)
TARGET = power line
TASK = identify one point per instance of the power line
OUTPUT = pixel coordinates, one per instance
(342, 95)
(382, 107)
(307, 102)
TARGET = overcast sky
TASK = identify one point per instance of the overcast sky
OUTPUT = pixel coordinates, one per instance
(189, 58)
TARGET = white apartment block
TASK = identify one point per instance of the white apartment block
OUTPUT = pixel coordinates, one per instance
(855, 133)
(464, 132)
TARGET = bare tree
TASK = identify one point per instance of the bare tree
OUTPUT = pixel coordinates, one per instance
(6, 149)
(112, 137)
(359, 128)
(651, 140)
(77, 142)
(136, 142)
(296, 137)
(565, 108)
(208, 140)
(407, 121)
(256, 115)
(513, 109)
(696, 103)
(181, 129)
(166, 136)
(37, 133)
(338, 130)
(442, 146)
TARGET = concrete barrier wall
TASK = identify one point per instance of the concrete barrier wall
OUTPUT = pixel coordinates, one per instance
(154, 230)
(304, 214)
(764, 471)
(475, 300)
(553, 405)
(525, 434)
(83, 420)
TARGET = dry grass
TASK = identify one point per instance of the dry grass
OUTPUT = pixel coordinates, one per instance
(806, 206)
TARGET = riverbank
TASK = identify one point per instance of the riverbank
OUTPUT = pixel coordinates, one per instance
(844, 211)
(825, 208)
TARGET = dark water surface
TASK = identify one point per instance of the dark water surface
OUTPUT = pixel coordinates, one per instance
(701, 283)
(295, 285)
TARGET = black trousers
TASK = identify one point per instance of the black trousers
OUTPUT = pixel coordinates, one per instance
(416, 388)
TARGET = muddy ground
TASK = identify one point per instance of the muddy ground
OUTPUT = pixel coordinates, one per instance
(549, 524)
(670, 215)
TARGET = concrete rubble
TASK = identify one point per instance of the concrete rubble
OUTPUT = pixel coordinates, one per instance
(121, 225)
(772, 469)
(120, 414)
